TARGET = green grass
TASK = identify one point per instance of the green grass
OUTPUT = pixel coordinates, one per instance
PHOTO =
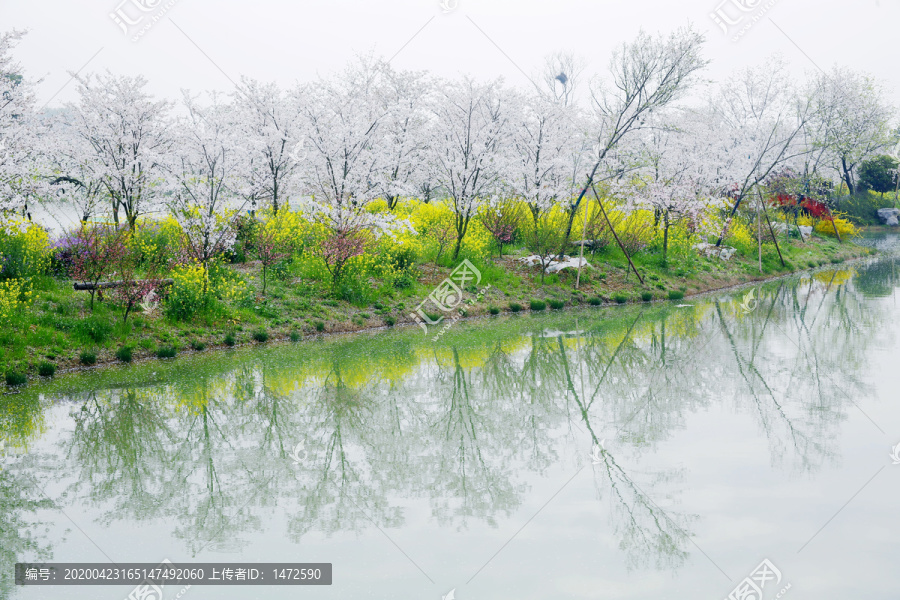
(15, 378)
(46, 369)
(60, 323)
(676, 295)
(166, 352)
(538, 305)
(261, 336)
(620, 298)
(125, 354)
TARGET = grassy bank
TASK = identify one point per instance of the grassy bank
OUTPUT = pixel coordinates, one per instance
(60, 332)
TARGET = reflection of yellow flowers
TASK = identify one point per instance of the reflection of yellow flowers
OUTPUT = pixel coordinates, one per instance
(834, 278)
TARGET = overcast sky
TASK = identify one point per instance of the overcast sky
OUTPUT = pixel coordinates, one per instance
(204, 44)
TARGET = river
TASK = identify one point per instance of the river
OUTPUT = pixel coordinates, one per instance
(646, 451)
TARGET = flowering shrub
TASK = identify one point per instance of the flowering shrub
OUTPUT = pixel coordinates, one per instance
(196, 290)
(434, 224)
(815, 209)
(825, 227)
(96, 251)
(155, 242)
(190, 292)
(636, 229)
(15, 295)
(291, 232)
(25, 250)
(502, 222)
(270, 249)
(339, 248)
(741, 238)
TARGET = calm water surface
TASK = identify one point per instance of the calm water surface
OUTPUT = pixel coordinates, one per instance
(641, 452)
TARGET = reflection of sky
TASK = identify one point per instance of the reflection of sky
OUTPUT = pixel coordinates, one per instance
(751, 495)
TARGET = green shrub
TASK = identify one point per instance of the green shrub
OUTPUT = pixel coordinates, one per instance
(556, 304)
(46, 369)
(320, 326)
(14, 378)
(295, 337)
(676, 295)
(812, 264)
(494, 310)
(538, 305)
(261, 336)
(94, 328)
(595, 301)
(198, 346)
(647, 296)
(166, 352)
(463, 312)
(125, 354)
(389, 321)
(515, 307)
(87, 358)
(229, 339)
(620, 298)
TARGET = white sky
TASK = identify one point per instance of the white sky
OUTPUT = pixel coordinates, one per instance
(291, 41)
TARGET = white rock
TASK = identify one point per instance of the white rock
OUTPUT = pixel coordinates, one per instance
(723, 252)
(889, 216)
(805, 231)
(574, 263)
(555, 265)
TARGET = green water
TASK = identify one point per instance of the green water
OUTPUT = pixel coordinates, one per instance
(654, 451)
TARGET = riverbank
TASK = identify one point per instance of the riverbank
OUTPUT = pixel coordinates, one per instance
(62, 334)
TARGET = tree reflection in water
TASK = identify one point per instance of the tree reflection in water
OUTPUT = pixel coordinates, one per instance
(338, 433)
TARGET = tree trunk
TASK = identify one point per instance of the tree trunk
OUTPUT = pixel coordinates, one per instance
(462, 224)
(665, 238)
(848, 178)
